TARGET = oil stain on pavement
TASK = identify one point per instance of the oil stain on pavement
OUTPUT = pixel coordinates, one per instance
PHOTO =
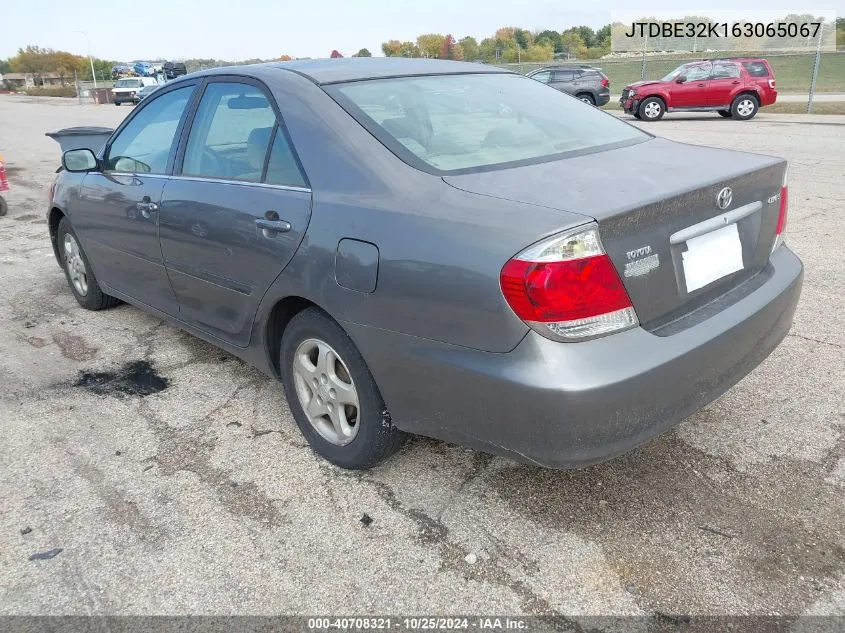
(137, 378)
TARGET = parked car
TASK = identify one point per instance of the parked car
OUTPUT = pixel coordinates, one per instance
(554, 285)
(122, 71)
(589, 84)
(172, 70)
(146, 91)
(143, 69)
(126, 90)
(735, 88)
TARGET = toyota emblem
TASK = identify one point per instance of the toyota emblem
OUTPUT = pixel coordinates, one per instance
(724, 198)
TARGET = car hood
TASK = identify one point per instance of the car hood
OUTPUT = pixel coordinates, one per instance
(639, 84)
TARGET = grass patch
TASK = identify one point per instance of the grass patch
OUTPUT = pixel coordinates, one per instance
(58, 91)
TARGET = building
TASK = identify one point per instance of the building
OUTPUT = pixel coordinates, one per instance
(22, 81)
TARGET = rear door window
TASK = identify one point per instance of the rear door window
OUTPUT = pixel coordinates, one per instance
(563, 75)
(725, 70)
(231, 133)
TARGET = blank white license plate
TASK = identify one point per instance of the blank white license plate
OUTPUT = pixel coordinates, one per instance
(712, 256)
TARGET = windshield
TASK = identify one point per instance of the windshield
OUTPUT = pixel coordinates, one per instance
(456, 123)
(128, 83)
(692, 72)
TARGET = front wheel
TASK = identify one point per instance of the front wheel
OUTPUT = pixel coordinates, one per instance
(744, 107)
(4, 206)
(332, 395)
(652, 109)
(78, 271)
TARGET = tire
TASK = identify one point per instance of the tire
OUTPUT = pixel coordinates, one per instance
(117, 103)
(652, 109)
(4, 206)
(368, 436)
(586, 97)
(744, 107)
(87, 293)
(725, 113)
(636, 114)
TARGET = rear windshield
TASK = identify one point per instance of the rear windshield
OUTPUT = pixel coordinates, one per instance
(756, 69)
(458, 123)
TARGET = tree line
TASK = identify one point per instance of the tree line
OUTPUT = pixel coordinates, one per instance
(508, 44)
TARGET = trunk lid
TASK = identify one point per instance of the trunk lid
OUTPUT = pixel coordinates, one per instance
(655, 204)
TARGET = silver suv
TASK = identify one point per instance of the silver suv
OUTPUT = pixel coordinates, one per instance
(587, 83)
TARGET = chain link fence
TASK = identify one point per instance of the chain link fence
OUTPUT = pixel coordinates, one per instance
(794, 72)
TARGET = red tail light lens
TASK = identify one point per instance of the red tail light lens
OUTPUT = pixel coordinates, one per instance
(780, 230)
(566, 288)
(605, 82)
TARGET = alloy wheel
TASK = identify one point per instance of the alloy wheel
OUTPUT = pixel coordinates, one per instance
(75, 265)
(326, 391)
(745, 107)
(652, 110)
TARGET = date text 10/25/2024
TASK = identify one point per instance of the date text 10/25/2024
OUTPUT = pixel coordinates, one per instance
(418, 623)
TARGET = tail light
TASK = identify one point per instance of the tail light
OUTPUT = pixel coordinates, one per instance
(780, 231)
(605, 82)
(566, 288)
(772, 84)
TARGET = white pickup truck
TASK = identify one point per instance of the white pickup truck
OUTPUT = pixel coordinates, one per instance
(126, 90)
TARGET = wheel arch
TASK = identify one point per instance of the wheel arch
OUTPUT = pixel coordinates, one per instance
(277, 320)
(54, 217)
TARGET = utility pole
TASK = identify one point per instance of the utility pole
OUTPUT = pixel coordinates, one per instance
(90, 60)
(815, 70)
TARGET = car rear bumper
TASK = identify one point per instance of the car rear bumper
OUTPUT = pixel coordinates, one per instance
(603, 97)
(565, 405)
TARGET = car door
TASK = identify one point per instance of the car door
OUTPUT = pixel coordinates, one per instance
(563, 80)
(724, 83)
(236, 210)
(693, 91)
(117, 216)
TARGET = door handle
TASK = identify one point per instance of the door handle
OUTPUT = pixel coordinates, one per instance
(701, 85)
(147, 208)
(270, 227)
(735, 82)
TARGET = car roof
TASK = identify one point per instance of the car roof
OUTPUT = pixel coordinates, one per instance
(327, 71)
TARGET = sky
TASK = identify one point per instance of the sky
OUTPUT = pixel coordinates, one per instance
(237, 30)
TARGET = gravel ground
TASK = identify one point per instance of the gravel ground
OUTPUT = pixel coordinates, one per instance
(204, 498)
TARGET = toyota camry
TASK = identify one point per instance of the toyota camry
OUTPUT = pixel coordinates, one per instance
(436, 248)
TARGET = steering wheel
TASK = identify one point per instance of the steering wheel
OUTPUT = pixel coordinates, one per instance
(210, 162)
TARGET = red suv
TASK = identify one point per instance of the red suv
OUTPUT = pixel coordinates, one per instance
(736, 87)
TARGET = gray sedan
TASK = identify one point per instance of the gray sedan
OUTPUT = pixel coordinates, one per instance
(436, 248)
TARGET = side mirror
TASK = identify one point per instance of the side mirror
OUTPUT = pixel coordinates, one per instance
(79, 160)
(680, 79)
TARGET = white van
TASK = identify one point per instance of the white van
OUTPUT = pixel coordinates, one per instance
(126, 90)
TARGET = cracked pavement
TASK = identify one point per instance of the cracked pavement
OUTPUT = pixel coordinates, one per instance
(175, 481)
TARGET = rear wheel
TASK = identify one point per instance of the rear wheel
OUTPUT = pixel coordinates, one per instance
(636, 114)
(725, 113)
(652, 109)
(744, 107)
(77, 269)
(586, 97)
(332, 395)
